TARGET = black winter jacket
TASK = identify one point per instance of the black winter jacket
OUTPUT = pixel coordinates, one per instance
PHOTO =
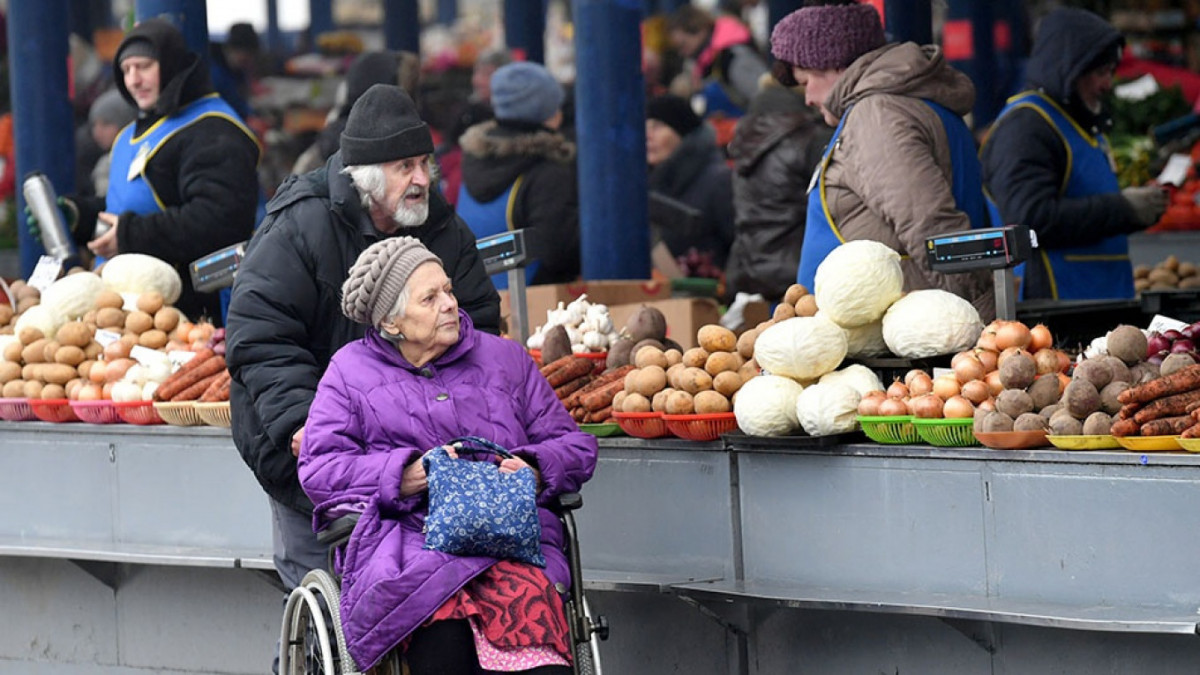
(1024, 159)
(547, 207)
(206, 175)
(285, 319)
(774, 153)
(696, 175)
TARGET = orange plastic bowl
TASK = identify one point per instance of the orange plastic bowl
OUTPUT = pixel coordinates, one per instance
(701, 427)
(642, 425)
(53, 410)
(137, 412)
(96, 412)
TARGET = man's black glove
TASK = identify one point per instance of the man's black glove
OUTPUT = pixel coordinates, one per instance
(70, 214)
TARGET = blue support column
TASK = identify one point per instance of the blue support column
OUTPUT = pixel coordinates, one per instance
(274, 37)
(447, 12)
(777, 9)
(909, 20)
(525, 28)
(189, 16)
(668, 6)
(320, 18)
(968, 44)
(402, 25)
(42, 123)
(610, 121)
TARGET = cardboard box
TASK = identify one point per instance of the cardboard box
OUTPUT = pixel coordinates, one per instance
(684, 316)
(539, 299)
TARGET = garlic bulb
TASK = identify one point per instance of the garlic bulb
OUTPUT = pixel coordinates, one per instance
(595, 341)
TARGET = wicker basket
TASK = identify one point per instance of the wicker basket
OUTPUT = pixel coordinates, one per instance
(215, 414)
(701, 427)
(16, 410)
(642, 425)
(180, 414)
(946, 433)
(96, 412)
(53, 410)
(895, 430)
(137, 412)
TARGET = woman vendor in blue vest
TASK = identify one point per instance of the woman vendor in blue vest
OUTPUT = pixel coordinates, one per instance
(901, 165)
(1047, 165)
(184, 180)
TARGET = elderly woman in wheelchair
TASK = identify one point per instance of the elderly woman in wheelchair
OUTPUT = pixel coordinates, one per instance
(420, 377)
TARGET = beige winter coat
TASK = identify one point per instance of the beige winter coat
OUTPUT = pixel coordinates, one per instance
(889, 177)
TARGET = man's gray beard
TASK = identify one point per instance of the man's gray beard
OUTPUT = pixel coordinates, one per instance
(411, 217)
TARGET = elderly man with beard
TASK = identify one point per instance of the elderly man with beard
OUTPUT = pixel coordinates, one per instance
(285, 319)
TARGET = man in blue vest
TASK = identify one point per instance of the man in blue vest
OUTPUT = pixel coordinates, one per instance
(183, 180)
(1047, 165)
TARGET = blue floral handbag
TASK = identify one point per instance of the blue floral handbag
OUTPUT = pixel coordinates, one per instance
(474, 510)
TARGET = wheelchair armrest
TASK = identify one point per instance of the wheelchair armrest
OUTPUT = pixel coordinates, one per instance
(338, 531)
(569, 501)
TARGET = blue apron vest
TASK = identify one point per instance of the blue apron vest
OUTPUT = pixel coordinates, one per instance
(1099, 271)
(821, 234)
(128, 189)
(491, 218)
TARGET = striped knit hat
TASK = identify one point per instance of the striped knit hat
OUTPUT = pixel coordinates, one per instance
(379, 275)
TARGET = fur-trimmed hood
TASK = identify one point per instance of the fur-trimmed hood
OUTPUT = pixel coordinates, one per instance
(494, 155)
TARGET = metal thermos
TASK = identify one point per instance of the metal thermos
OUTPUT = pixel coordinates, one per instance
(41, 199)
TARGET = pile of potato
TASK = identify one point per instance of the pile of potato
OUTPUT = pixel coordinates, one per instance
(701, 380)
(797, 301)
(1167, 275)
(24, 297)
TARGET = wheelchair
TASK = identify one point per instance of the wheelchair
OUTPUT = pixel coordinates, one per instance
(311, 639)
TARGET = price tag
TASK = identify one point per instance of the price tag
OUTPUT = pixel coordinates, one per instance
(179, 357)
(107, 337)
(1176, 170)
(45, 273)
(145, 355)
(1162, 323)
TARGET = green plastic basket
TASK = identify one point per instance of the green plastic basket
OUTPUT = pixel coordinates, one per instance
(946, 433)
(894, 430)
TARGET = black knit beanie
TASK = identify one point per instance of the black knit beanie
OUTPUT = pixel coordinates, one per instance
(383, 127)
(674, 112)
(139, 46)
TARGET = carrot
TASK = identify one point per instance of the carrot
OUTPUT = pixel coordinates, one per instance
(602, 397)
(1128, 411)
(578, 367)
(211, 394)
(1167, 426)
(601, 415)
(193, 392)
(1167, 406)
(1192, 431)
(1125, 428)
(555, 365)
(210, 367)
(1184, 379)
(176, 382)
(572, 386)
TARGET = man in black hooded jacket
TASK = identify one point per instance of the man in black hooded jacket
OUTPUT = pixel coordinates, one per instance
(1047, 165)
(285, 319)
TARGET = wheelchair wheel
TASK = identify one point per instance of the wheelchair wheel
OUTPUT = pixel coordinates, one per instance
(587, 650)
(311, 639)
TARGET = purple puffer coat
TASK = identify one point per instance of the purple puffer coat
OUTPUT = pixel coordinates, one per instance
(374, 413)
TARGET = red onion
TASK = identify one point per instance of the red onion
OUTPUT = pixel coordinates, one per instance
(1172, 334)
(1157, 342)
(1189, 332)
(1183, 345)
(1157, 357)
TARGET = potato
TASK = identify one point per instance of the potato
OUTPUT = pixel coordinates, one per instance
(74, 333)
(680, 403)
(710, 402)
(50, 350)
(85, 368)
(783, 312)
(618, 399)
(53, 392)
(30, 371)
(806, 306)
(109, 318)
(650, 356)
(631, 381)
(748, 370)
(674, 356)
(89, 319)
(150, 302)
(153, 338)
(12, 352)
(109, 299)
(93, 350)
(694, 381)
(659, 402)
(29, 335)
(636, 403)
(1140, 285)
(6, 314)
(14, 389)
(727, 383)
(1097, 424)
(715, 338)
(673, 374)
(33, 389)
(57, 373)
(745, 343)
(69, 355)
(35, 352)
(648, 342)
(650, 381)
(1186, 269)
(695, 357)
(9, 371)
(1163, 277)
(138, 322)
(1175, 362)
(24, 304)
(719, 362)
(72, 389)
(794, 293)
(167, 318)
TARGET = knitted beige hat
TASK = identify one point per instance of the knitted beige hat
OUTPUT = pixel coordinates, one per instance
(378, 276)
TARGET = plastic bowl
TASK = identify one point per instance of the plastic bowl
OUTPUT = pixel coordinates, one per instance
(137, 412)
(179, 414)
(642, 425)
(1081, 442)
(708, 427)
(1149, 443)
(946, 433)
(53, 410)
(215, 414)
(892, 430)
(16, 410)
(96, 412)
(1013, 440)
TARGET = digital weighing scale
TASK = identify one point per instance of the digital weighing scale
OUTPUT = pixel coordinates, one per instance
(505, 252)
(217, 269)
(999, 249)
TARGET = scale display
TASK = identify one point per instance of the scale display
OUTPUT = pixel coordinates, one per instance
(216, 271)
(503, 251)
(991, 248)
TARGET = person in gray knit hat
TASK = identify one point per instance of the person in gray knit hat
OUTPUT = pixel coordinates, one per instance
(377, 288)
(285, 317)
(901, 165)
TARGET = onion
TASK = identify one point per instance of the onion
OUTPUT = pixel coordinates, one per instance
(1046, 360)
(908, 377)
(1172, 334)
(897, 390)
(958, 407)
(945, 386)
(987, 338)
(1063, 381)
(958, 358)
(893, 407)
(117, 349)
(1011, 351)
(1192, 332)
(927, 407)
(1183, 345)
(1157, 342)
(869, 406)
(989, 359)
(1040, 338)
(1012, 334)
(988, 405)
(1064, 361)
(975, 391)
(969, 369)
(1157, 357)
(115, 370)
(993, 382)
(90, 392)
(96, 374)
(921, 384)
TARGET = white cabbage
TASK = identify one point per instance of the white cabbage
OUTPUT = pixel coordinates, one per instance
(858, 377)
(42, 318)
(865, 340)
(766, 406)
(825, 409)
(930, 323)
(139, 273)
(73, 295)
(857, 282)
(802, 348)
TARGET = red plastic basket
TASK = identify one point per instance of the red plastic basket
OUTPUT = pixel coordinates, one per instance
(701, 427)
(53, 410)
(642, 425)
(96, 412)
(16, 410)
(601, 358)
(137, 412)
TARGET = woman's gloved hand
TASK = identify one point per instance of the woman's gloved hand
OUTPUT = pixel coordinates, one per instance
(1149, 202)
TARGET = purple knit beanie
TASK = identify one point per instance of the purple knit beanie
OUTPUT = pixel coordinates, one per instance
(827, 37)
